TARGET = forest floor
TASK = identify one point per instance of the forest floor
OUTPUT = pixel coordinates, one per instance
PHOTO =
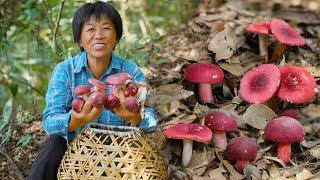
(215, 35)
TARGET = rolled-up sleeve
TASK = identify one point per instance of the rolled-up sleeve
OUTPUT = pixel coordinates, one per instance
(57, 113)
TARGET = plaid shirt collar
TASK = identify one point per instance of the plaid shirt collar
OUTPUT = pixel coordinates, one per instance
(81, 62)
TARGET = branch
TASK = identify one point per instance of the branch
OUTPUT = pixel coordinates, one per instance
(22, 82)
(55, 32)
(15, 167)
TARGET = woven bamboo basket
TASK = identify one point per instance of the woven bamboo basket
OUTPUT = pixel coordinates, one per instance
(111, 152)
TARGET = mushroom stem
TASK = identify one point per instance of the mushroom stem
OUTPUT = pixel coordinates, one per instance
(284, 151)
(187, 151)
(205, 93)
(263, 50)
(241, 164)
(277, 53)
(219, 138)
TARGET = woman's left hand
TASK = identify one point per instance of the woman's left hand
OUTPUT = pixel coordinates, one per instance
(149, 122)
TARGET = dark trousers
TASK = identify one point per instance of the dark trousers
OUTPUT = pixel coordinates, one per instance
(45, 166)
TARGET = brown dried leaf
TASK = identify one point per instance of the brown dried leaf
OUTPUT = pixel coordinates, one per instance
(275, 159)
(258, 115)
(158, 139)
(252, 172)
(225, 43)
(305, 174)
(315, 152)
(236, 68)
(168, 109)
(183, 119)
(217, 173)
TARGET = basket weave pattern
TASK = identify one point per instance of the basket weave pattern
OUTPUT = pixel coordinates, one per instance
(102, 152)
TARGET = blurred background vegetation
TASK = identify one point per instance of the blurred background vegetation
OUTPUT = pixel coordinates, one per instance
(36, 35)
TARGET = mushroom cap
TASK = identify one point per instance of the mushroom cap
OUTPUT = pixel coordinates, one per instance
(194, 132)
(204, 73)
(119, 78)
(285, 34)
(284, 129)
(260, 28)
(259, 84)
(297, 86)
(97, 83)
(82, 90)
(221, 121)
(241, 148)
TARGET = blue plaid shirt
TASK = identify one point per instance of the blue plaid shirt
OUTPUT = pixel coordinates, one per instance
(65, 77)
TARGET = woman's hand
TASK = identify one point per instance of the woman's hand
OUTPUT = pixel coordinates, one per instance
(87, 114)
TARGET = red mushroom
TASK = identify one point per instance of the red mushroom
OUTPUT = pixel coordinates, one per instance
(97, 85)
(243, 150)
(205, 75)
(284, 130)
(260, 84)
(285, 35)
(77, 104)
(97, 99)
(112, 102)
(220, 122)
(188, 133)
(82, 91)
(262, 29)
(297, 86)
(117, 79)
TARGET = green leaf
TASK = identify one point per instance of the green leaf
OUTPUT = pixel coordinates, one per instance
(24, 140)
(6, 113)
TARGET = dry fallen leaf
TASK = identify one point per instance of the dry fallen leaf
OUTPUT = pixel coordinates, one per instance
(258, 115)
(225, 43)
(217, 173)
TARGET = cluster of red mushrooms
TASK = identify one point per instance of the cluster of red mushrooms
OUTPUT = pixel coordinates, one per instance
(291, 84)
(127, 98)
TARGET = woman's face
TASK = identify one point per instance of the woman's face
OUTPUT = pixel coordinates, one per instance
(98, 37)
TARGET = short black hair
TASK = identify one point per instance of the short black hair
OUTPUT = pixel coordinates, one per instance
(97, 10)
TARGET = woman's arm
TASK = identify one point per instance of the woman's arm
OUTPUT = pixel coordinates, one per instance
(57, 113)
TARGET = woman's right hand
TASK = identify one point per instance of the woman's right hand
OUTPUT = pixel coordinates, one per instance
(88, 113)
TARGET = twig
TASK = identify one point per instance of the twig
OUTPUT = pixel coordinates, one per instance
(15, 167)
(55, 32)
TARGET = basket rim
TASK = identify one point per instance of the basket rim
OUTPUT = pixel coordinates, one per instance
(102, 128)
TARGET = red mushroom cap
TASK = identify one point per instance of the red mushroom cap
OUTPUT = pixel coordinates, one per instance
(285, 34)
(195, 132)
(82, 90)
(119, 78)
(297, 86)
(77, 104)
(97, 83)
(259, 84)
(97, 100)
(260, 28)
(241, 148)
(284, 130)
(204, 73)
(221, 121)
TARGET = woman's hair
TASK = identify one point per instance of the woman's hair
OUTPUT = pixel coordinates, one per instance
(97, 10)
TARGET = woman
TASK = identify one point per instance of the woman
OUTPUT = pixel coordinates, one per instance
(97, 28)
